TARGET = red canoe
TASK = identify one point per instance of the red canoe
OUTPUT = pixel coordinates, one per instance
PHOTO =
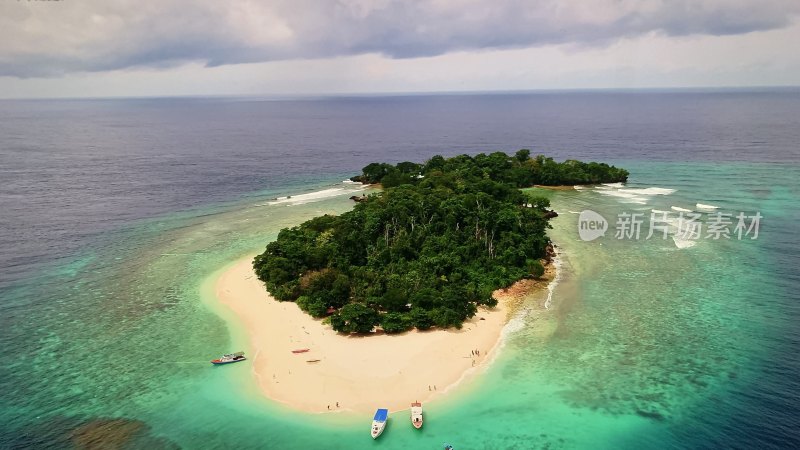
(301, 350)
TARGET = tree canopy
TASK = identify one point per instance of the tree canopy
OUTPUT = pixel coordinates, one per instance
(427, 250)
(519, 170)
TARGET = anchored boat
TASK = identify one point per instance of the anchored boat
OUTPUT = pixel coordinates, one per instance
(416, 415)
(229, 358)
(379, 422)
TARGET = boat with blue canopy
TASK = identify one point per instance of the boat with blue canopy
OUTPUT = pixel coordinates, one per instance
(379, 422)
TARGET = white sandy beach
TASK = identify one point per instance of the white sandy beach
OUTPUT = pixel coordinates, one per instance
(359, 372)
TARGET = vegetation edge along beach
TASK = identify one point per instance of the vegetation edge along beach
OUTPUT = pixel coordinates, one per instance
(428, 249)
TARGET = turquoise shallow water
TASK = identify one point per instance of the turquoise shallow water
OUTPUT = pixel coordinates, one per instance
(645, 345)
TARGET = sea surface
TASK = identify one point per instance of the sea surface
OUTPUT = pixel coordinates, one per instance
(115, 216)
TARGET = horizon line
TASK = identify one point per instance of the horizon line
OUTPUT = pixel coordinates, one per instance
(324, 95)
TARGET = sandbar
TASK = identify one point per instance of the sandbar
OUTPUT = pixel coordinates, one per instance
(361, 373)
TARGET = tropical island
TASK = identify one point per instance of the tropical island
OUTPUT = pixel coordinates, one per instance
(427, 250)
(452, 245)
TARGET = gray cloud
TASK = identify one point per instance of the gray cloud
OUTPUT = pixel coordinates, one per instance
(54, 38)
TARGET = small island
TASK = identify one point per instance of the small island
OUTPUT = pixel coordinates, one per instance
(427, 250)
(407, 294)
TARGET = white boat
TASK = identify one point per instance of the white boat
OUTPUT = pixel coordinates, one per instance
(229, 358)
(379, 422)
(416, 415)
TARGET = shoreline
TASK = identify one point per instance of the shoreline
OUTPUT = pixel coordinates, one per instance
(361, 373)
(557, 187)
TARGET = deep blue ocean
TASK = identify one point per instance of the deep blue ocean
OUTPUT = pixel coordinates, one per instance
(85, 185)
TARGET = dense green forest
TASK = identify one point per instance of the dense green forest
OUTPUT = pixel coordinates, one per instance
(519, 170)
(429, 248)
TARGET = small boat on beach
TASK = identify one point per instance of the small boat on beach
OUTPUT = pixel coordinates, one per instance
(416, 415)
(379, 422)
(229, 358)
(301, 350)
(313, 360)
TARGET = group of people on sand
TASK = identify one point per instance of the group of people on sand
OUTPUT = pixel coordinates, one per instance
(431, 387)
(475, 352)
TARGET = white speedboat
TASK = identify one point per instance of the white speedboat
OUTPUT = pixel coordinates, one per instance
(379, 422)
(229, 358)
(416, 415)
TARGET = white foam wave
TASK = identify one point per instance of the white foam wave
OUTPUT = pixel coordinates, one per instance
(518, 321)
(620, 194)
(625, 197)
(683, 243)
(682, 232)
(512, 326)
(679, 209)
(312, 196)
(649, 191)
(638, 196)
(551, 287)
(578, 187)
(708, 207)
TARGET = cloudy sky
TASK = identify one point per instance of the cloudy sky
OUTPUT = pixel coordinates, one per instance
(72, 48)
